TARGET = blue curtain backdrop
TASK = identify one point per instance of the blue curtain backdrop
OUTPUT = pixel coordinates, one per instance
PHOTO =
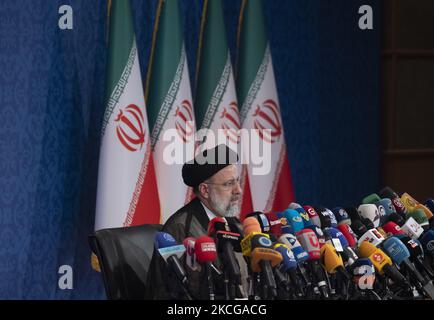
(51, 106)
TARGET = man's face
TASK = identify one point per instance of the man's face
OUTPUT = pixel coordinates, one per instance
(224, 192)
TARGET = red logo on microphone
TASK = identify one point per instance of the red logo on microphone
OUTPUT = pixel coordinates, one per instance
(129, 128)
(184, 120)
(378, 257)
(231, 122)
(267, 117)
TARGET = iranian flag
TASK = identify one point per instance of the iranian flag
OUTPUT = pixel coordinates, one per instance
(216, 102)
(260, 109)
(170, 108)
(127, 192)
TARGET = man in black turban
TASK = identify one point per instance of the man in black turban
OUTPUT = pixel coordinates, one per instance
(213, 175)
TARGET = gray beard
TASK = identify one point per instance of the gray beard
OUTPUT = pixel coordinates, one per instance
(223, 210)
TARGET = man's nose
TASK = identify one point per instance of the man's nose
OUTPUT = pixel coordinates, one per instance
(238, 189)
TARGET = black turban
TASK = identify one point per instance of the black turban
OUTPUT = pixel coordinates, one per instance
(206, 164)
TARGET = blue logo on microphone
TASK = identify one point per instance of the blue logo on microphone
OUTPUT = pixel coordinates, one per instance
(265, 242)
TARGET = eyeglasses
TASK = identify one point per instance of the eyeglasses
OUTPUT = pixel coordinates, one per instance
(228, 184)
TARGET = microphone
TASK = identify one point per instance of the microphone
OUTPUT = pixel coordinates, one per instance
(419, 216)
(370, 212)
(313, 215)
(275, 224)
(358, 227)
(409, 202)
(368, 223)
(289, 266)
(372, 236)
(291, 242)
(206, 254)
(327, 217)
(227, 242)
(190, 254)
(385, 207)
(395, 217)
(382, 232)
(251, 227)
(310, 243)
(171, 252)
(358, 223)
(412, 204)
(383, 264)
(392, 229)
(363, 274)
(319, 234)
(417, 255)
(294, 205)
(426, 210)
(429, 204)
(352, 213)
(217, 224)
(342, 216)
(400, 255)
(427, 241)
(412, 229)
(349, 234)
(305, 216)
(341, 245)
(372, 198)
(263, 259)
(332, 261)
(397, 203)
(262, 219)
(293, 220)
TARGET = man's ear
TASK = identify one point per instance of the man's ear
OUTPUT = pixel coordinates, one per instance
(203, 190)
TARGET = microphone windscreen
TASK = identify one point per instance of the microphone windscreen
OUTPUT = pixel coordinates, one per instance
(358, 227)
(428, 242)
(372, 198)
(342, 216)
(262, 219)
(419, 216)
(387, 206)
(367, 222)
(413, 246)
(327, 217)
(205, 249)
(275, 224)
(313, 215)
(366, 249)
(387, 192)
(294, 221)
(395, 217)
(392, 228)
(294, 205)
(217, 224)
(164, 240)
(337, 234)
(331, 260)
(426, 210)
(251, 224)
(348, 233)
(370, 212)
(396, 200)
(408, 201)
(289, 262)
(309, 241)
(430, 205)
(396, 250)
(305, 216)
